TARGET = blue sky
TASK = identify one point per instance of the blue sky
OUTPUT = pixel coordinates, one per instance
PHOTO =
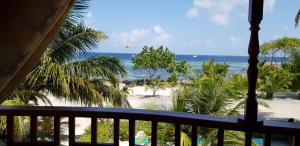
(204, 27)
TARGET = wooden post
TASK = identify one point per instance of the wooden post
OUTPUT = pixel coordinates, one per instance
(255, 17)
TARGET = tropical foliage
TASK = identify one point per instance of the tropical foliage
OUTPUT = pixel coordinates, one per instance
(283, 76)
(293, 66)
(61, 72)
(280, 48)
(180, 70)
(273, 78)
(151, 60)
(95, 81)
(105, 131)
(210, 91)
(21, 126)
(239, 84)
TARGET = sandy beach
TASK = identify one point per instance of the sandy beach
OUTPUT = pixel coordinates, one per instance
(282, 107)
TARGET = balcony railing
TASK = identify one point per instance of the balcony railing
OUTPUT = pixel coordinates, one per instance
(268, 128)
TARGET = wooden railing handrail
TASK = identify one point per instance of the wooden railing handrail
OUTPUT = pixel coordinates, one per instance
(228, 123)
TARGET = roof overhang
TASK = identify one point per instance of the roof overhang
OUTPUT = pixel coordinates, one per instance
(26, 29)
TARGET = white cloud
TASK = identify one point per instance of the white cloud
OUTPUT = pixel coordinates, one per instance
(236, 40)
(121, 39)
(137, 38)
(158, 30)
(200, 44)
(209, 43)
(193, 12)
(269, 5)
(221, 19)
(161, 37)
(221, 11)
(243, 13)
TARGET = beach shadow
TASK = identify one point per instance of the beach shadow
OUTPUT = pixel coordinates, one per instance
(264, 115)
(145, 96)
(268, 116)
(151, 96)
(285, 95)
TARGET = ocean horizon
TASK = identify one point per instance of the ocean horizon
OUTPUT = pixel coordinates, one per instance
(237, 64)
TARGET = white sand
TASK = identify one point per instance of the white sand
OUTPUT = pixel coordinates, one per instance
(139, 96)
(284, 106)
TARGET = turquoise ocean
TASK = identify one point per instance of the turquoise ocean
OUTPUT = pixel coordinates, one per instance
(237, 64)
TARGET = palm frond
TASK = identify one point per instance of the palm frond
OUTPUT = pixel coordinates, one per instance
(78, 10)
(297, 19)
(62, 74)
(13, 103)
(235, 110)
(78, 90)
(27, 95)
(72, 40)
(53, 78)
(102, 67)
(112, 95)
(21, 126)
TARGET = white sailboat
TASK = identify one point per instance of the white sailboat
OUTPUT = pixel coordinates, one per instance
(195, 55)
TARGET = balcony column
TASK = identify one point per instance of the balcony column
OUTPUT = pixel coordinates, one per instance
(255, 17)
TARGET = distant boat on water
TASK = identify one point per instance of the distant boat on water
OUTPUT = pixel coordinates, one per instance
(195, 55)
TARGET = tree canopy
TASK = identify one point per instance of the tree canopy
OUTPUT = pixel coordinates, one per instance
(153, 59)
(281, 47)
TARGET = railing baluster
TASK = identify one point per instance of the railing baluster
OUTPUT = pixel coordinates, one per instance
(94, 130)
(267, 141)
(220, 137)
(33, 129)
(131, 132)
(194, 135)
(154, 133)
(248, 138)
(177, 134)
(57, 130)
(10, 129)
(297, 140)
(116, 131)
(71, 131)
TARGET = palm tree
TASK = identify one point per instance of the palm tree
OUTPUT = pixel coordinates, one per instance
(21, 127)
(46, 129)
(92, 81)
(273, 79)
(209, 92)
(61, 72)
